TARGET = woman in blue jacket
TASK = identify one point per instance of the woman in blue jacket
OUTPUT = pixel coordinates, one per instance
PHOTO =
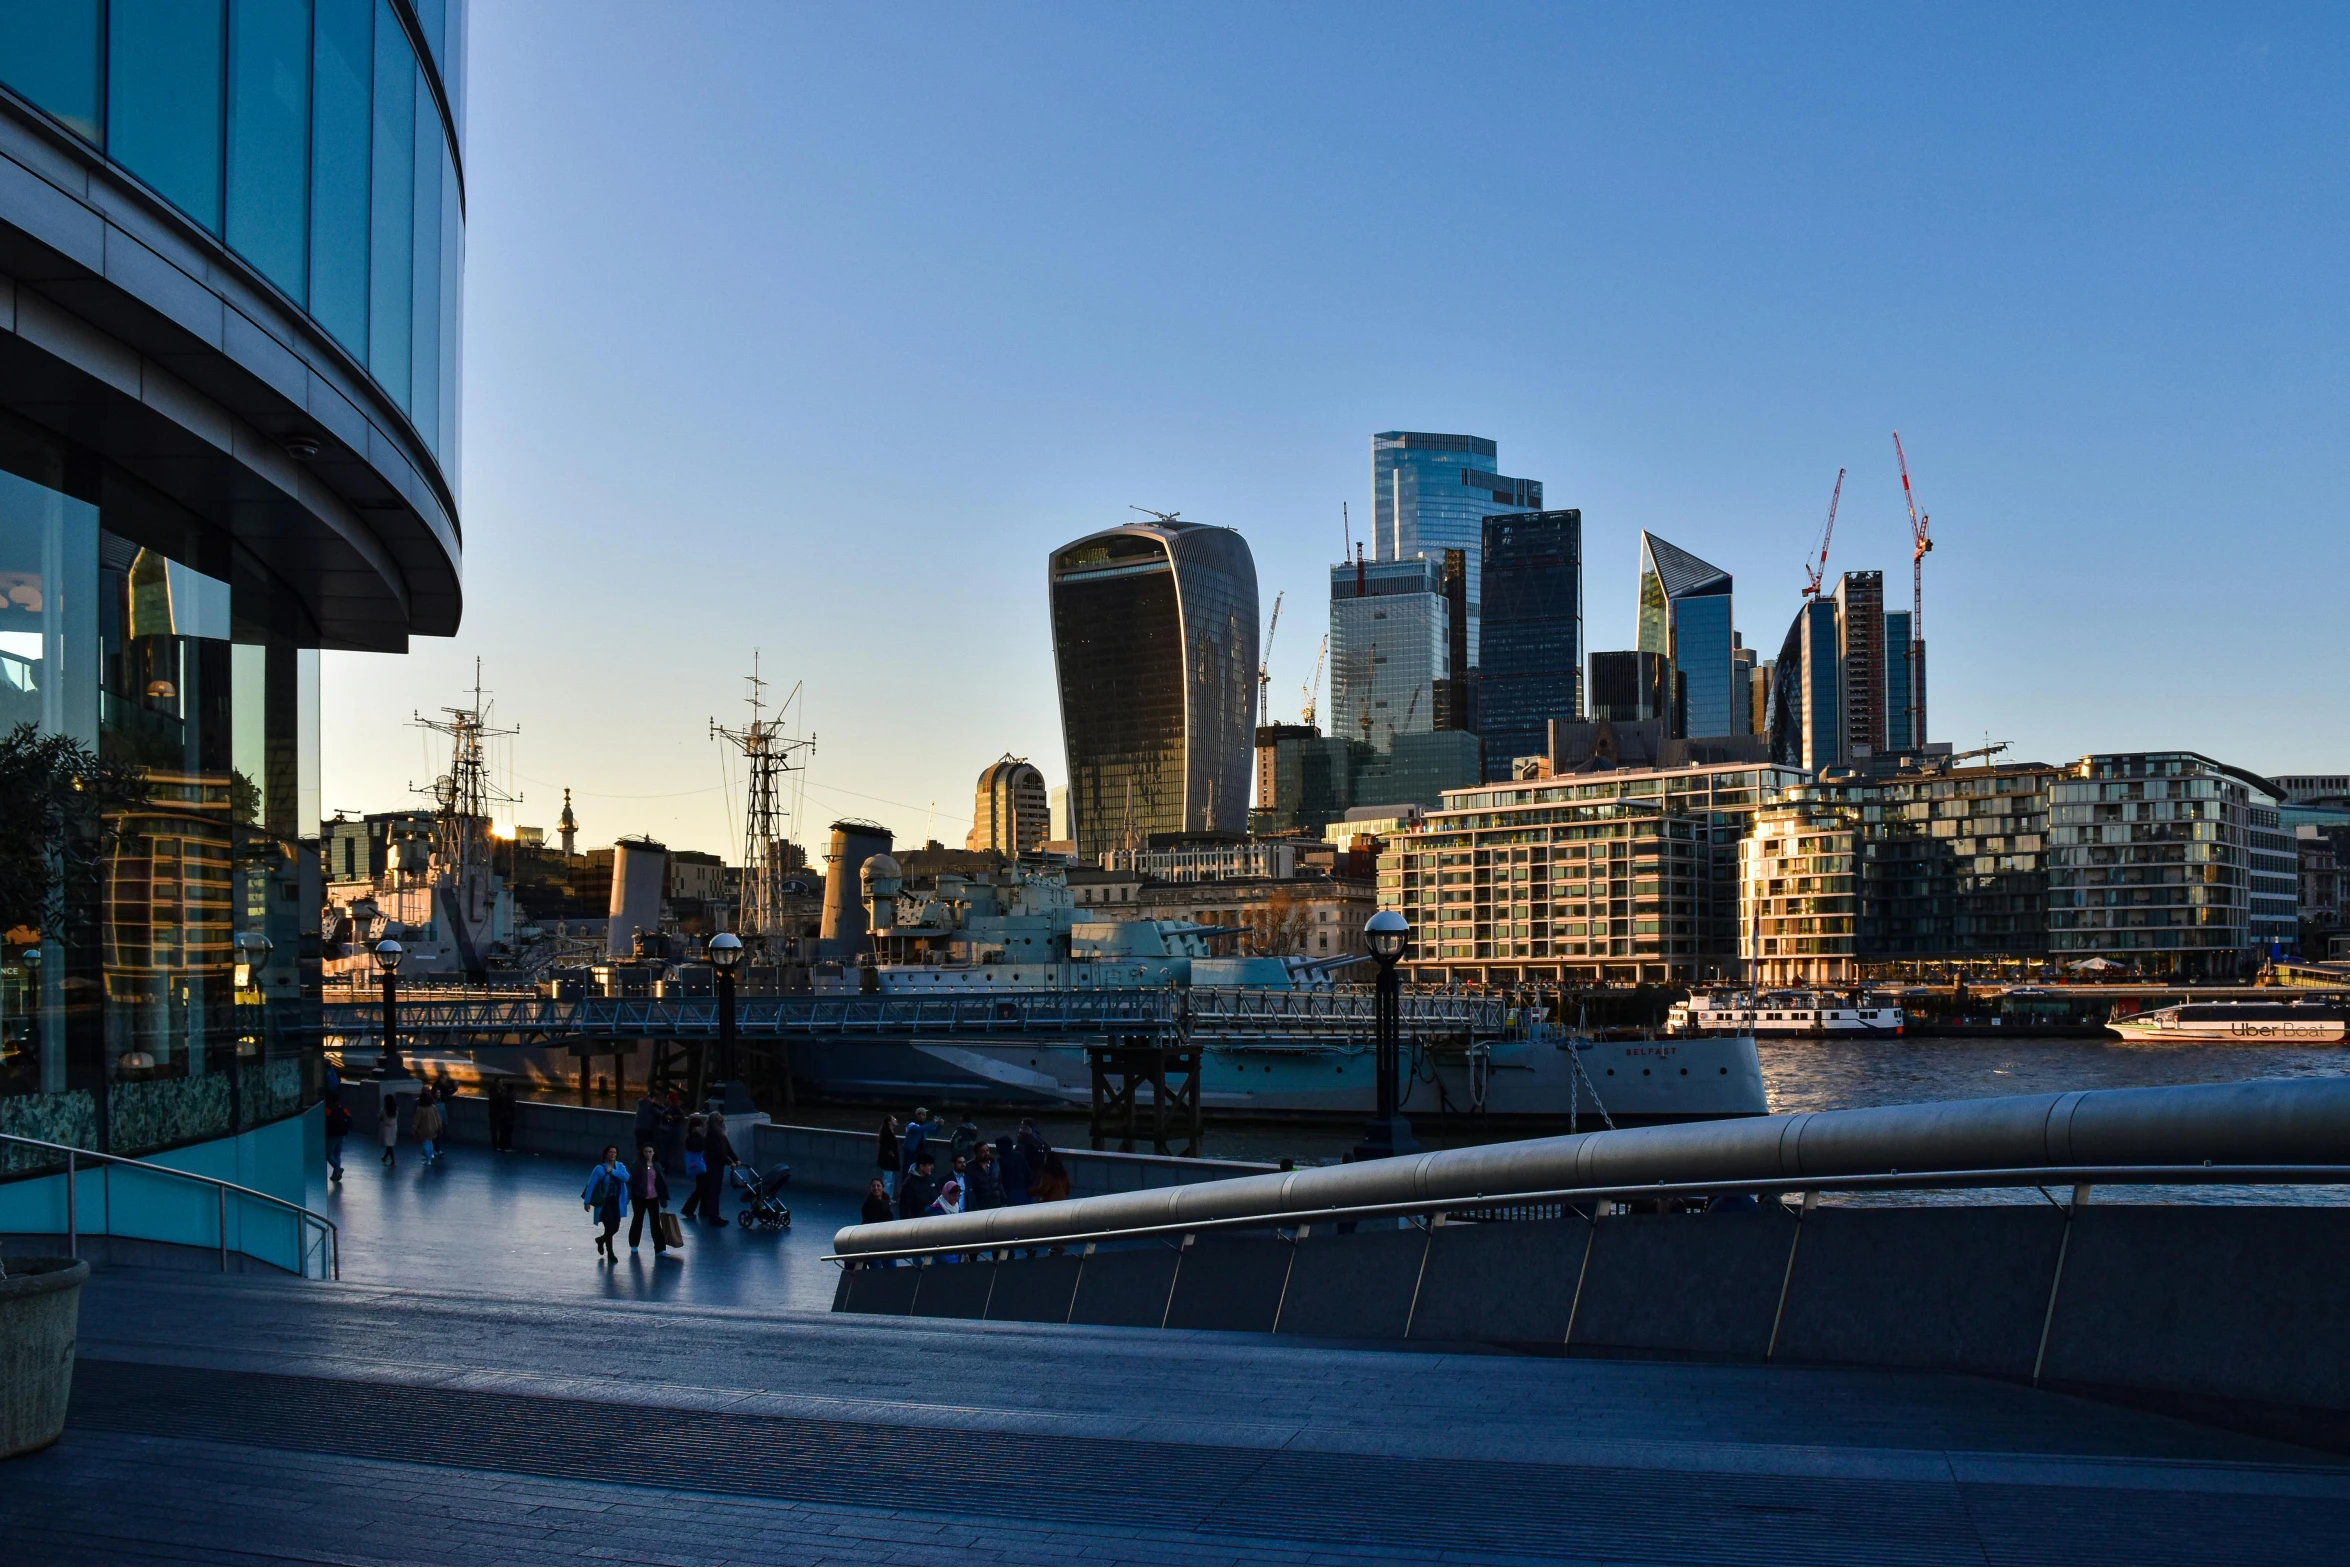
(605, 1197)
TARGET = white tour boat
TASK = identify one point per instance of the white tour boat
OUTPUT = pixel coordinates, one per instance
(1807, 1013)
(2250, 1022)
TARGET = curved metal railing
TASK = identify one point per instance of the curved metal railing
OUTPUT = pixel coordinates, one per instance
(307, 1223)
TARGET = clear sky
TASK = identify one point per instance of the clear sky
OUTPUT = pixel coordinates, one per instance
(813, 329)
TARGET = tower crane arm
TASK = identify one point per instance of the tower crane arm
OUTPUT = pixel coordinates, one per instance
(1816, 574)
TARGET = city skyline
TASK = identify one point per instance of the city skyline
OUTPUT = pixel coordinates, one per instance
(2096, 313)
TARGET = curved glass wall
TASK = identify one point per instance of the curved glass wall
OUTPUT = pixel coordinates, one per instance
(164, 992)
(306, 135)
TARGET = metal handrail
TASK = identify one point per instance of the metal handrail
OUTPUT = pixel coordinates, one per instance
(303, 1216)
(2079, 1177)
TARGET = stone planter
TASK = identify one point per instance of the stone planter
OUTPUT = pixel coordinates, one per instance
(40, 1311)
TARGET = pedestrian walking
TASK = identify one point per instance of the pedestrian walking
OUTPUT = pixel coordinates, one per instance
(672, 1143)
(388, 1114)
(1011, 1168)
(425, 1124)
(648, 1195)
(696, 1163)
(918, 1132)
(948, 1200)
(966, 1138)
(885, 1154)
(982, 1187)
(648, 1120)
(605, 1197)
(718, 1157)
(877, 1209)
(915, 1189)
(502, 1116)
(1053, 1184)
(338, 1127)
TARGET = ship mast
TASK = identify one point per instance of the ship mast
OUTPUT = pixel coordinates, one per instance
(465, 794)
(769, 754)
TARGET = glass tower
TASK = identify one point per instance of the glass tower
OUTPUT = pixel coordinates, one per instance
(1685, 616)
(1533, 597)
(1431, 493)
(1899, 736)
(1155, 643)
(1389, 649)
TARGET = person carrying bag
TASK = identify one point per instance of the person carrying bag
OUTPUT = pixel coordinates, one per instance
(648, 1196)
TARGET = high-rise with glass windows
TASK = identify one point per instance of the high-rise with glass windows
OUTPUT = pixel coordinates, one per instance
(1860, 654)
(1900, 733)
(231, 236)
(1390, 649)
(1432, 493)
(1533, 656)
(1685, 617)
(1155, 644)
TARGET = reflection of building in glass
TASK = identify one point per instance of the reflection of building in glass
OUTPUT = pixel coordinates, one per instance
(289, 179)
(1533, 633)
(1432, 493)
(1860, 655)
(1607, 876)
(1685, 617)
(1807, 690)
(1011, 814)
(1390, 648)
(1155, 640)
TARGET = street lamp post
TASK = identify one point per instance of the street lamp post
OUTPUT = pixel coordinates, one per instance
(726, 951)
(387, 957)
(1387, 933)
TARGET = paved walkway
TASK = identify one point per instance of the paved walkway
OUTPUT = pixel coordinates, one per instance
(480, 1390)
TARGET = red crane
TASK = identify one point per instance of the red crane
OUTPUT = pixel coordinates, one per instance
(1920, 541)
(1811, 589)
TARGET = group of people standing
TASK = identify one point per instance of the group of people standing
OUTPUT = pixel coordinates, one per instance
(923, 1168)
(426, 1119)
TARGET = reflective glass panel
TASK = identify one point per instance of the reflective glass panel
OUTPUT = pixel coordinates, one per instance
(163, 99)
(390, 351)
(268, 138)
(425, 371)
(339, 170)
(50, 52)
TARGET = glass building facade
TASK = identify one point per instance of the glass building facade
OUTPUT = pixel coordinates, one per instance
(1390, 649)
(1685, 616)
(1533, 633)
(231, 237)
(1900, 722)
(2150, 863)
(1807, 691)
(1155, 645)
(1432, 493)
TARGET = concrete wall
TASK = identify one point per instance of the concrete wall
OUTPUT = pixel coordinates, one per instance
(822, 1159)
(2231, 1314)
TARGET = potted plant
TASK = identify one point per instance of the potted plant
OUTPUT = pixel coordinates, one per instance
(40, 1313)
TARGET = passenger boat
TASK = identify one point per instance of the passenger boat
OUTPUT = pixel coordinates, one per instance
(1781, 1013)
(2228, 1022)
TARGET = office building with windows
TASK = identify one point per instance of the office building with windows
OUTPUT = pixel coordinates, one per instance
(1432, 493)
(1901, 731)
(1807, 692)
(1860, 660)
(1630, 688)
(1011, 811)
(1619, 876)
(231, 237)
(1391, 637)
(1155, 646)
(2150, 859)
(1533, 633)
(1685, 617)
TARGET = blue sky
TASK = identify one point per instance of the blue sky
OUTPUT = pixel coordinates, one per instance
(814, 329)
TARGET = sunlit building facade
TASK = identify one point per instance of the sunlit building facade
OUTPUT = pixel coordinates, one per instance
(1431, 493)
(1685, 617)
(2150, 863)
(1390, 649)
(231, 239)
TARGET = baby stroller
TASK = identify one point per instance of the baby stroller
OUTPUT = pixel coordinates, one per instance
(760, 1202)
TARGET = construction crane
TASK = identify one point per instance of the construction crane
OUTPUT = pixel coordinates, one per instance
(1921, 539)
(1811, 588)
(1312, 687)
(1265, 664)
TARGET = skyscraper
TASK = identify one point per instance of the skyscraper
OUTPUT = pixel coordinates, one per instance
(1685, 616)
(1431, 493)
(1898, 718)
(1807, 688)
(1533, 632)
(1860, 651)
(1629, 687)
(1390, 648)
(1155, 644)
